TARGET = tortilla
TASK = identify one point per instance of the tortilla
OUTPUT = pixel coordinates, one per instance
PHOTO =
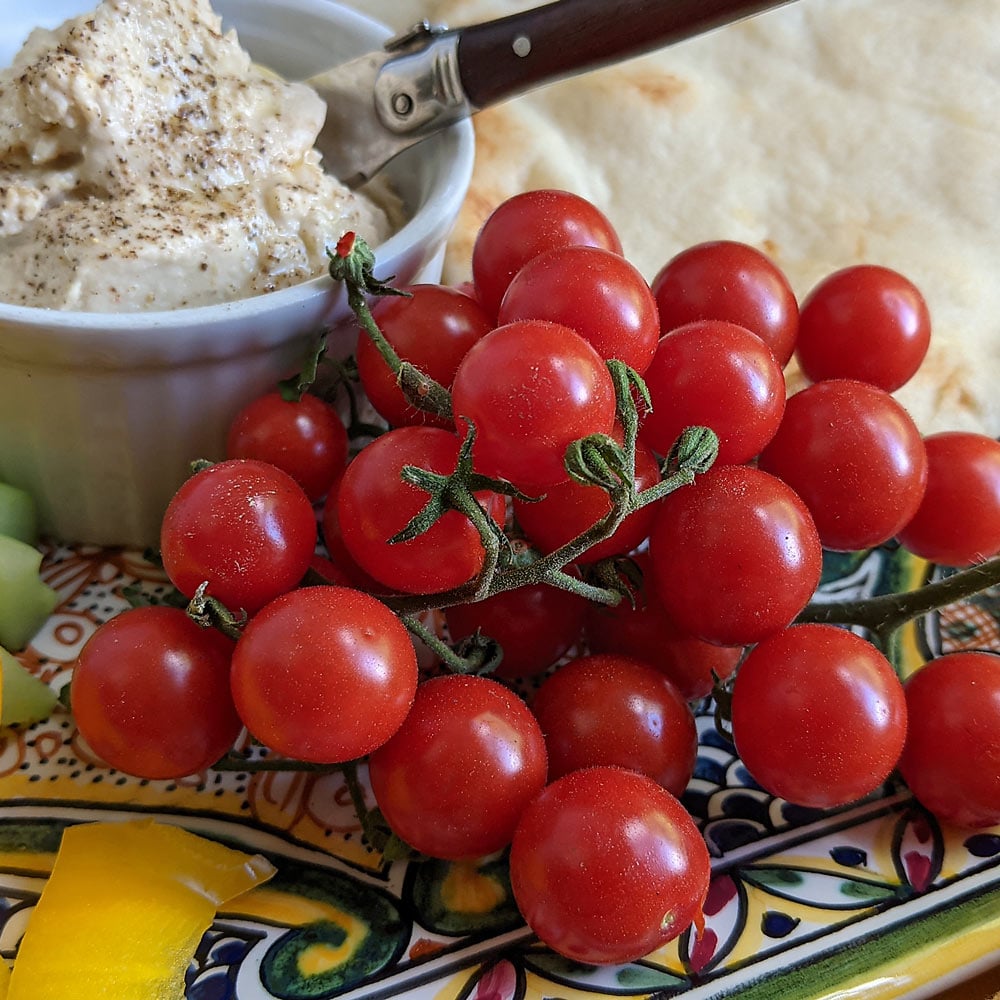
(826, 133)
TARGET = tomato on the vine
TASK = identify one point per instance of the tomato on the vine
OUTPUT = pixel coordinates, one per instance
(324, 674)
(606, 866)
(150, 693)
(818, 715)
(455, 779)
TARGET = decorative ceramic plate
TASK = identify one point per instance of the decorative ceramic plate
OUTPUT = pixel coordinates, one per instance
(803, 904)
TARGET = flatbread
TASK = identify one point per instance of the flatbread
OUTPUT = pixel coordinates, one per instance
(826, 132)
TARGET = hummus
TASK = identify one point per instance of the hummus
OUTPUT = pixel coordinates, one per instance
(146, 163)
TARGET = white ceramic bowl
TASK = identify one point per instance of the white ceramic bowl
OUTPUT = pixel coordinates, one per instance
(100, 415)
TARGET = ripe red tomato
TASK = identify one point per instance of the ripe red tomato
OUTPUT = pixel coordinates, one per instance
(864, 322)
(324, 674)
(432, 329)
(526, 225)
(606, 866)
(729, 281)
(616, 711)
(455, 779)
(374, 504)
(818, 715)
(150, 693)
(715, 374)
(855, 457)
(736, 555)
(571, 508)
(245, 527)
(594, 291)
(958, 520)
(951, 759)
(306, 439)
(531, 388)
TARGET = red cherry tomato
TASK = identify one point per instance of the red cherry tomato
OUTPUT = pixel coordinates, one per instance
(736, 555)
(951, 759)
(616, 711)
(958, 520)
(531, 388)
(714, 374)
(729, 281)
(455, 779)
(150, 693)
(855, 457)
(864, 322)
(606, 866)
(306, 439)
(594, 291)
(526, 225)
(324, 674)
(374, 504)
(245, 527)
(432, 329)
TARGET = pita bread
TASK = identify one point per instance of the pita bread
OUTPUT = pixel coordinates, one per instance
(826, 132)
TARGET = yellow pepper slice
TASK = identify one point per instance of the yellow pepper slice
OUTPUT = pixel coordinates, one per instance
(124, 910)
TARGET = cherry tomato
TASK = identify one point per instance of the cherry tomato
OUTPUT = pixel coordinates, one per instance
(958, 520)
(150, 693)
(455, 779)
(855, 457)
(818, 715)
(594, 291)
(526, 225)
(729, 281)
(951, 759)
(535, 624)
(324, 674)
(616, 711)
(531, 388)
(736, 555)
(374, 504)
(864, 322)
(306, 439)
(432, 329)
(606, 866)
(639, 627)
(714, 374)
(571, 508)
(245, 527)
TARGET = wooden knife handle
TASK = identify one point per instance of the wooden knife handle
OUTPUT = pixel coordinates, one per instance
(501, 58)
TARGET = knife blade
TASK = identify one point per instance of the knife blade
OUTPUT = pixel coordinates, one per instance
(432, 76)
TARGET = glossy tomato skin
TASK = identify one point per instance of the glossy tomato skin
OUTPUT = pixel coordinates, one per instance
(454, 780)
(150, 693)
(855, 457)
(715, 374)
(818, 715)
(594, 291)
(324, 674)
(374, 504)
(616, 711)
(732, 281)
(606, 866)
(736, 555)
(245, 527)
(305, 438)
(951, 759)
(864, 322)
(958, 520)
(433, 329)
(531, 388)
(526, 225)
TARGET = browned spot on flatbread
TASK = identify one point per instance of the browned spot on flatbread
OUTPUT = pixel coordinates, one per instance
(654, 86)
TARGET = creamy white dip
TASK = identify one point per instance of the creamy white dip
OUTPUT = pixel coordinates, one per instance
(146, 163)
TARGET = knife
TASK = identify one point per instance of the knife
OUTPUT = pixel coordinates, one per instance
(431, 76)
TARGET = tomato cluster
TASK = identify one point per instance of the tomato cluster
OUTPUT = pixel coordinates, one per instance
(316, 562)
